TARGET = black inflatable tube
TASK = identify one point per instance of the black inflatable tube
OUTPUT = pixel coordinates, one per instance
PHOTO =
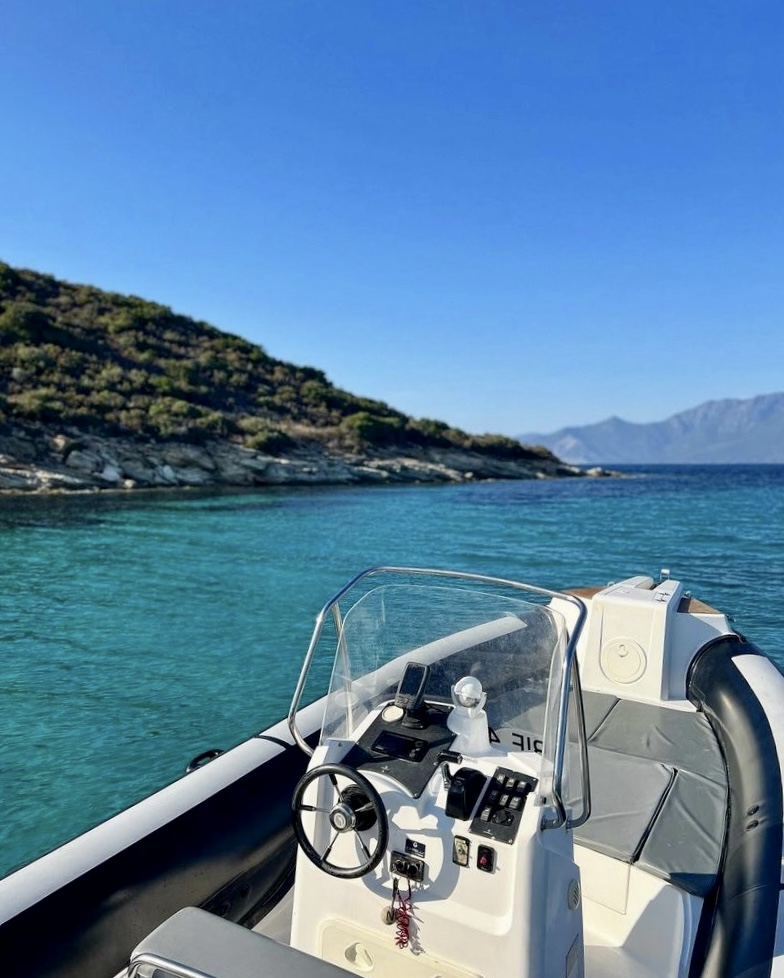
(231, 854)
(737, 939)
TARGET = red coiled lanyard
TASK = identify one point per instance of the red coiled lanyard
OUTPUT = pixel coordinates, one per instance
(403, 913)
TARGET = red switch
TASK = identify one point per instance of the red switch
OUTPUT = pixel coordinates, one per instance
(485, 859)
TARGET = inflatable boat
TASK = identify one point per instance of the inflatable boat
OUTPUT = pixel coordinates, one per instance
(477, 778)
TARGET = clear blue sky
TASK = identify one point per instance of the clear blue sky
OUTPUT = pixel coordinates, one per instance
(507, 214)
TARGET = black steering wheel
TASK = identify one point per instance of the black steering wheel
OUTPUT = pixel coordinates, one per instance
(356, 808)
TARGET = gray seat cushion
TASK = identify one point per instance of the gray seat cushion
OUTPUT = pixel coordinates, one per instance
(681, 739)
(596, 707)
(658, 790)
(685, 842)
(626, 794)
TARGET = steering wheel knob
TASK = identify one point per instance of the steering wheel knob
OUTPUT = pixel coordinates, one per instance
(342, 818)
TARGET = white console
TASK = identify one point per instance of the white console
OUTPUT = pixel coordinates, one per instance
(489, 888)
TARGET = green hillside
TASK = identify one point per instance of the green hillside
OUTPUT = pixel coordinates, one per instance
(119, 366)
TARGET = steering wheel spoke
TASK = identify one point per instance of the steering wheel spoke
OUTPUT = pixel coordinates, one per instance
(357, 808)
(328, 850)
(364, 847)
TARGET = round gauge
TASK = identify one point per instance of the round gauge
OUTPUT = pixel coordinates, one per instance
(392, 713)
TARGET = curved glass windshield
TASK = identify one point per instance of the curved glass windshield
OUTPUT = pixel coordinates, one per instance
(506, 643)
(460, 626)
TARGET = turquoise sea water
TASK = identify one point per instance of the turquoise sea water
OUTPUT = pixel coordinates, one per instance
(137, 631)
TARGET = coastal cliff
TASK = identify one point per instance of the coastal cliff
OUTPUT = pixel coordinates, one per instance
(106, 391)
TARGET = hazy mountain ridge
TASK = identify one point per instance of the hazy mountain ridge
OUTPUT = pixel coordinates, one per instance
(715, 432)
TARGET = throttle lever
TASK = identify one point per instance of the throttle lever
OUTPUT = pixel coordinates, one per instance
(447, 757)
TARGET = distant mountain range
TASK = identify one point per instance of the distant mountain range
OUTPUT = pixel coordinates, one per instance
(726, 431)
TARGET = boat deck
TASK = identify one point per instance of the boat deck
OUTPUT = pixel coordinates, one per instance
(610, 948)
(653, 842)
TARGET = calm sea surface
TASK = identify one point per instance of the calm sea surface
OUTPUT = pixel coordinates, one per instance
(137, 631)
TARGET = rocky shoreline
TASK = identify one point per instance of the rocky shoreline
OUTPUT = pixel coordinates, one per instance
(51, 461)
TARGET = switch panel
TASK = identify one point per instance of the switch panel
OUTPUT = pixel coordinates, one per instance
(501, 807)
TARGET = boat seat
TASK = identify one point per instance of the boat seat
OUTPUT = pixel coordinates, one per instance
(658, 790)
(194, 942)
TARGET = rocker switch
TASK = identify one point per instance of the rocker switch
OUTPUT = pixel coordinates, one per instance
(485, 859)
(461, 848)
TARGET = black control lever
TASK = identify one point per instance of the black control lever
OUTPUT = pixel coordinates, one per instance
(452, 756)
(447, 757)
(466, 786)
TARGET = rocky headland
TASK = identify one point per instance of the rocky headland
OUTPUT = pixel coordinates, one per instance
(105, 391)
(52, 461)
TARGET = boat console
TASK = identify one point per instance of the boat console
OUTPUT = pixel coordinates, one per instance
(445, 821)
(433, 819)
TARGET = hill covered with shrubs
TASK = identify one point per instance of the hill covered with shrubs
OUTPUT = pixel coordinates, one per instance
(78, 362)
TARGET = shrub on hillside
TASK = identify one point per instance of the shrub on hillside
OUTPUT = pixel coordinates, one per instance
(364, 429)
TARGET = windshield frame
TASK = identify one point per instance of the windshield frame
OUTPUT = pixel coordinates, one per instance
(568, 676)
